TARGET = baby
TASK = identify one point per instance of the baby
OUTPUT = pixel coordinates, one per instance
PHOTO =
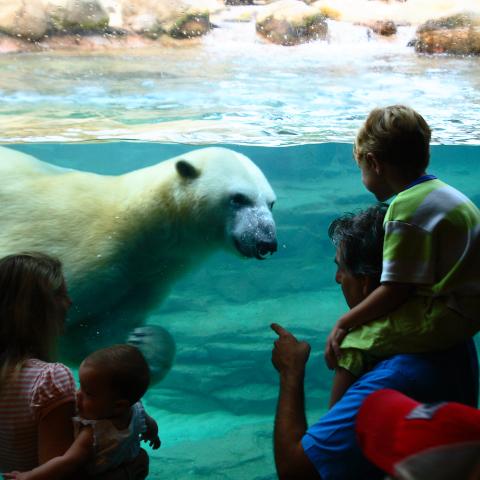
(111, 420)
(429, 296)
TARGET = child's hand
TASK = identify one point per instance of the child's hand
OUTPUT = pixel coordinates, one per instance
(152, 440)
(16, 475)
(332, 348)
(151, 435)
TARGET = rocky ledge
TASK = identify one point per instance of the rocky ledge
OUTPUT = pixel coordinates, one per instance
(107, 24)
(456, 34)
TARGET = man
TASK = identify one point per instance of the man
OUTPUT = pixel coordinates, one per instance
(329, 449)
(414, 441)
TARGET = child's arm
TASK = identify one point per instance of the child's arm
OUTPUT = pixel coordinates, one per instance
(151, 434)
(384, 299)
(63, 466)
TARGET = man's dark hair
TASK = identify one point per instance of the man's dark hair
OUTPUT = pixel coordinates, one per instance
(359, 238)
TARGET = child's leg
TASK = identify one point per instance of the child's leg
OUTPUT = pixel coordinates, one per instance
(342, 381)
(136, 469)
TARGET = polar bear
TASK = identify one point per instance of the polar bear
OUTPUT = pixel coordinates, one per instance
(124, 240)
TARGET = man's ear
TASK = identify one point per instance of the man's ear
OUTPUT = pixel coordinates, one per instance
(374, 163)
(186, 170)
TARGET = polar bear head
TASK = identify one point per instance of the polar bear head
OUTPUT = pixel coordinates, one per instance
(229, 191)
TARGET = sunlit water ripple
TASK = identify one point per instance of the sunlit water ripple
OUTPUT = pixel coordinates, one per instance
(234, 88)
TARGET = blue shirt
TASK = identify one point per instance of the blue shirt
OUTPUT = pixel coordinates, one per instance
(331, 443)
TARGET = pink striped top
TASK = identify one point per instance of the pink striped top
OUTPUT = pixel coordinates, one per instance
(40, 388)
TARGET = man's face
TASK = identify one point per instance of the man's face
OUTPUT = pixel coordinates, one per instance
(353, 286)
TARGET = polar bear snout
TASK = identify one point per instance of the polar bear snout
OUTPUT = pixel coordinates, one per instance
(264, 247)
(254, 233)
(259, 249)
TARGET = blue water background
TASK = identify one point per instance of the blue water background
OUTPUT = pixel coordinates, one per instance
(215, 409)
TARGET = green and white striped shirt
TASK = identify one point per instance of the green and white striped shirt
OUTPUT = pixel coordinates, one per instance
(432, 240)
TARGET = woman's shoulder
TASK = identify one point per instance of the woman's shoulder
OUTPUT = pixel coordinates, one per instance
(54, 384)
(47, 370)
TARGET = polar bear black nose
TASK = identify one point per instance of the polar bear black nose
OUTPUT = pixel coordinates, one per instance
(266, 246)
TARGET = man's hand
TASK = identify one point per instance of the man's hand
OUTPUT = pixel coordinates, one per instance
(288, 354)
(332, 348)
(289, 357)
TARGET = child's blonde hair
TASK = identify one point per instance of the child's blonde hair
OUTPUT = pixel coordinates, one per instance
(127, 369)
(29, 323)
(398, 135)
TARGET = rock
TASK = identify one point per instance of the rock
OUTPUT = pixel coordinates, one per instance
(190, 26)
(327, 9)
(74, 16)
(179, 18)
(291, 22)
(26, 20)
(384, 27)
(114, 11)
(33, 20)
(456, 34)
(239, 2)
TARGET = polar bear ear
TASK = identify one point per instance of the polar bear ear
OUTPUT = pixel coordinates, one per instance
(187, 170)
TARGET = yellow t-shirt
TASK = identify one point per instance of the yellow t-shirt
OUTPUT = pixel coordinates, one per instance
(432, 241)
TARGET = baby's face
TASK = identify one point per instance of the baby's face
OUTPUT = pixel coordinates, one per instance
(95, 399)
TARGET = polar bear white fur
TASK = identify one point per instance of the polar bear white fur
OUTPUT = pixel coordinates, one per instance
(124, 240)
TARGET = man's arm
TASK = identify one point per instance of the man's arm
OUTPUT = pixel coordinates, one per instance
(383, 300)
(289, 357)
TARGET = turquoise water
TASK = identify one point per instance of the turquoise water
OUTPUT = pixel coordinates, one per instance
(215, 408)
(294, 111)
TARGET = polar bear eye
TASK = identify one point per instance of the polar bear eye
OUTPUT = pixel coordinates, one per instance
(240, 199)
(270, 205)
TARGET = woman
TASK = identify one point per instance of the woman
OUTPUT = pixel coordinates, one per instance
(37, 396)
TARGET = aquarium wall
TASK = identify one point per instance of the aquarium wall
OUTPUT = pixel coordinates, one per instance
(111, 87)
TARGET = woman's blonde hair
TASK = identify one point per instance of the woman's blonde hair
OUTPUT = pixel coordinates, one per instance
(29, 320)
(398, 135)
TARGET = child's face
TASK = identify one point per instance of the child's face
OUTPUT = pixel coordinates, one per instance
(95, 400)
(372, 178)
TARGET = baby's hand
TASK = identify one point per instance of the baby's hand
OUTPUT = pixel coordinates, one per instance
(151, 433)
(152, 439)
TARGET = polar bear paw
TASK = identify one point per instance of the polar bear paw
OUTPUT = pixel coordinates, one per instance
(158, 348)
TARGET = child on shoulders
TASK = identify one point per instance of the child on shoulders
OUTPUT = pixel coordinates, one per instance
(111, 420)
(429, 297)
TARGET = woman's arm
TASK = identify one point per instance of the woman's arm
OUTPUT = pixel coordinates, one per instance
(62, 466)
(55, 432)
